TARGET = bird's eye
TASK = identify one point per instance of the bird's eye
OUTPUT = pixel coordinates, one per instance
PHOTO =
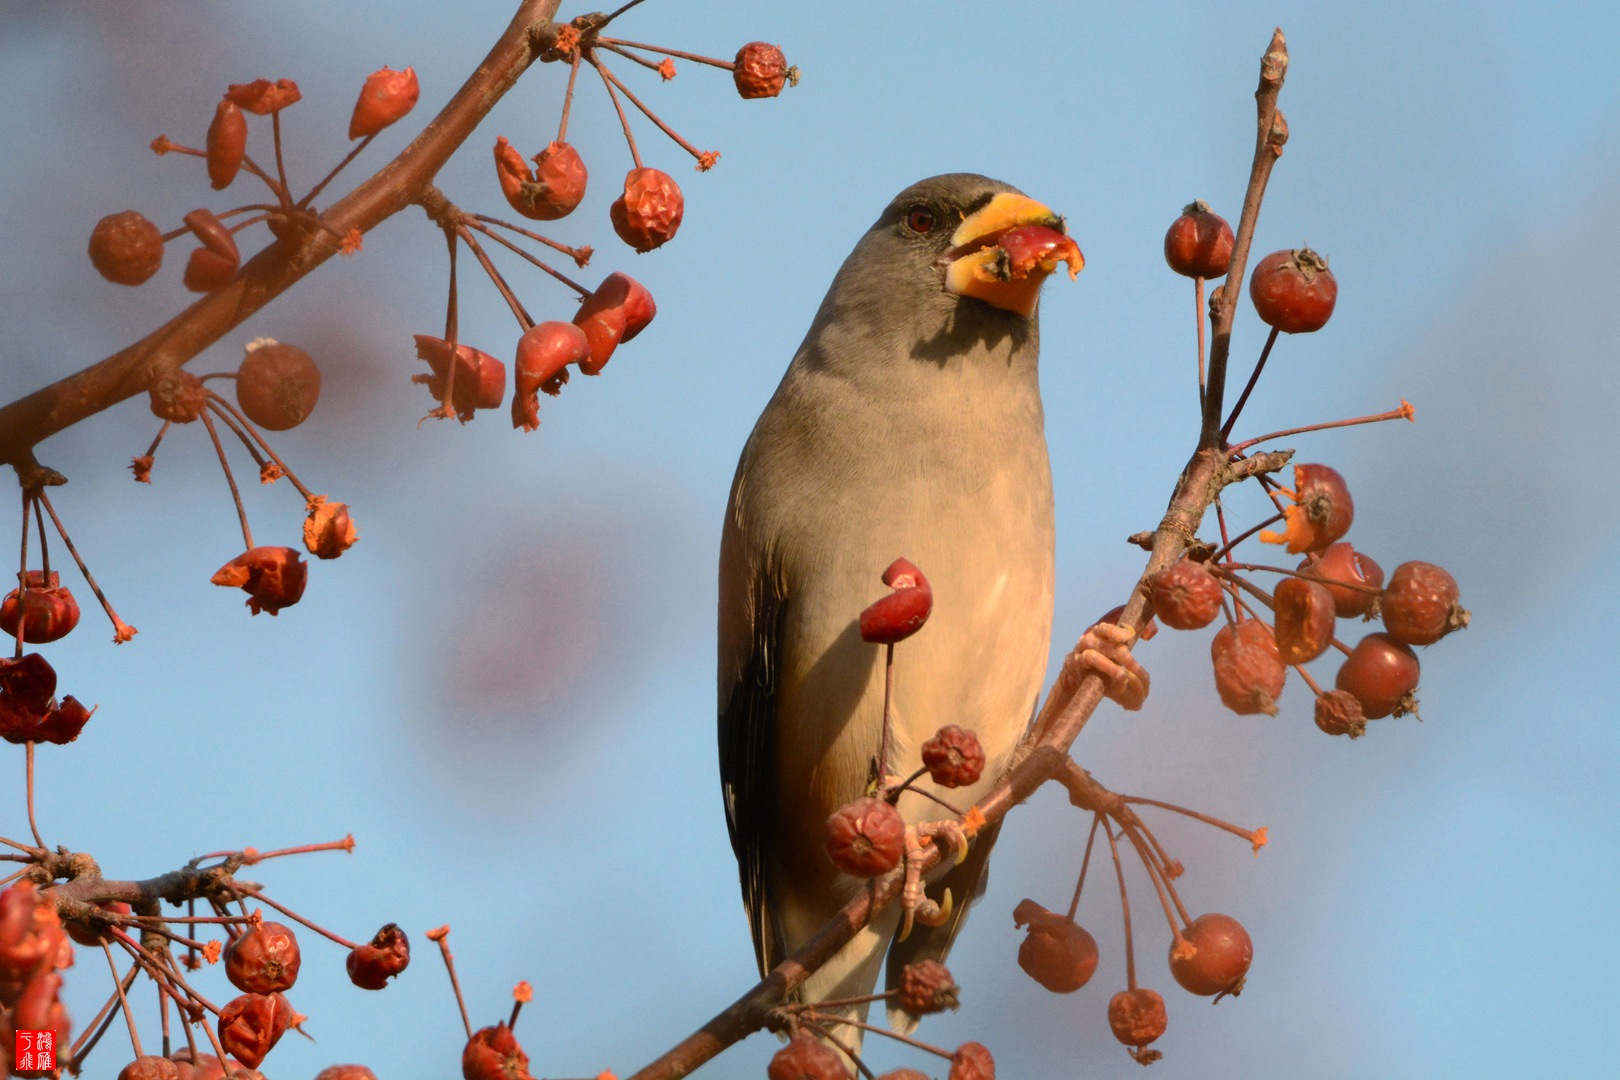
(919, 219)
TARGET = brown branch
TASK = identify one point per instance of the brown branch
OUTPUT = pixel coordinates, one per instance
(31, 419)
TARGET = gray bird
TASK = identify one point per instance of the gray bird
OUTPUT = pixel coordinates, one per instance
(909, 424)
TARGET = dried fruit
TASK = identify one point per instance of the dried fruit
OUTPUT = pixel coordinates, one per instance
(902, 613)
(1420, 604)
(1057, 952)
(27, 696)
(273, 577)
(1342, 569)
(761, 70)
(126, 248)
(46, 612)
(1304, 614)
(385, 97)
(150, 1067)
(261, 97)
(64, 722)
(1293, 291)
(1322, 510)
(616, 312)
(328, 529)
(1219, 958)
(1199, 242)
(252, 1024)
(480, 379)
(208, 270)
(1186, 596)
(227, 143)
(32, 940)
(177, 396)
(865, 837)
(1382, 673)
(1137, 1017)
(953, 757)
(277, 385)
(927, 986)
(1339, 713)
(38, 1008)
(543, 355)
(1249, 672)
(345, 1072)
(804, 1058)
(493, 1053)
(649, 212)
(93, 931)
(972, 1061)
(387, 954)
(199, 1066)
(552, 190)
(263, 960)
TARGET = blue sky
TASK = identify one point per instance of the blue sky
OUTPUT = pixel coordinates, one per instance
(505, 691)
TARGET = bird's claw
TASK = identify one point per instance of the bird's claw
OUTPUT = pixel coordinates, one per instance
(1104, 651)
(914, 902)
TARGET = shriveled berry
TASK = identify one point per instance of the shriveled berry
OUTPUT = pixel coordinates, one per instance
(1137, 1017)
(263, 960)
(177, 396)
(649, 212)
(616, 312)
(208, 270)
(261, 97)
(345, 1072)
(1353, 578)
(213, 233)
(493, 1053)
(1339, 713)
(250, 1025)
(1186, 596)
(1057, 952)
(277, 385)
(273, 577)
(126, 248)
(386, 955)
(93, 931)
(927, 986)
(895, 617)
(227, 143)
(1382, 673)
(27, 695)
(1420, 604)
(1199, 242)
(865, 837)
(328, 529)
(903, 1074)
(953, 757)
(1304, 616)
(972, 1061)
(1321, 511)
(761, 70)
(1293, 291)
(480, 379)
(1246, 632)
(1219, 956)
(806, 1058)
(543, 355)
(385, 97)
(32, 940)
(46, 612)
(150, 1067)
(38, 1008)
(64, 722)
(1249, 672)
(550, 191)
(198, 1066)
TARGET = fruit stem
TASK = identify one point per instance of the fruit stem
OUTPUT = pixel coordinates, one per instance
(284, 195)
(665, 128)
(813, 1016)
(1085, 863)
(1302, 575)
(102, 1021)
(44, 550)
(568, 98)
(696, 58)
(303, 204)
(1125, 907)
(615, 14)
(241, 511)
(242, 891)
(1405, 412)
(848, 1051)
(345, 845)
(495, 277)
(1248, 388)
(888, 697)
(123, 1000)
(1226, 547)
(1235, 830)
(32, 824)
(1199, 315)
(119, 626)
(443, 939)
(1161, 884)
(503, 241)
(624, 121)
(628, 55)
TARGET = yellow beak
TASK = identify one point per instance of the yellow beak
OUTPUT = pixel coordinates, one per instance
(1002, 253)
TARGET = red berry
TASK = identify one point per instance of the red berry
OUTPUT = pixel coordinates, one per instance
(277, 384)
(1199, 242)
(895, 617)
(261, 97)
(804, 1058)
(1339, 713)
(150, 1067)
(1420, 604)
(866, 837)
(1382, 674)
(1249, 673)
(385, 97)
(1322, 510)
(64, 722)
(493, 1053)
(208, 270)
(1219, 957)
(1304, 616)
(972, 1061)
(543, 355)
(927, 987)
(177, 396)
(480, 379)
(386, 955)
(213, 233)
(32, 940)
(1058, 953)
(252, 1024)
(761, 70)
(47, 612)
(126, 248)
(953, 757)
(345, 1072)
(273, 577)
(198, 1067)
(649, 212)
(1293, 291)
(1186, 596)
(263, 960)
(227, 143)
(903, 1074)
(92, 931)
(616, 312)
(552, 191)
(1342, 568)
(1137, 1016)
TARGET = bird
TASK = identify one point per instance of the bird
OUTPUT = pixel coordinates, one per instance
(908, 424)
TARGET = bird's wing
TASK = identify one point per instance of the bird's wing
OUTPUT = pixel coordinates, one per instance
(751, 619)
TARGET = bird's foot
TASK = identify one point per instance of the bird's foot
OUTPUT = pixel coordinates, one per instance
(1104, 650)
(914, 903)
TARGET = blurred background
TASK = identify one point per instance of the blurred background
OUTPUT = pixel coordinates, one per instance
(505, 691)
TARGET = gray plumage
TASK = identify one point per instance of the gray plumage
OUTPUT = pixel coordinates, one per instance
(909, 424)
